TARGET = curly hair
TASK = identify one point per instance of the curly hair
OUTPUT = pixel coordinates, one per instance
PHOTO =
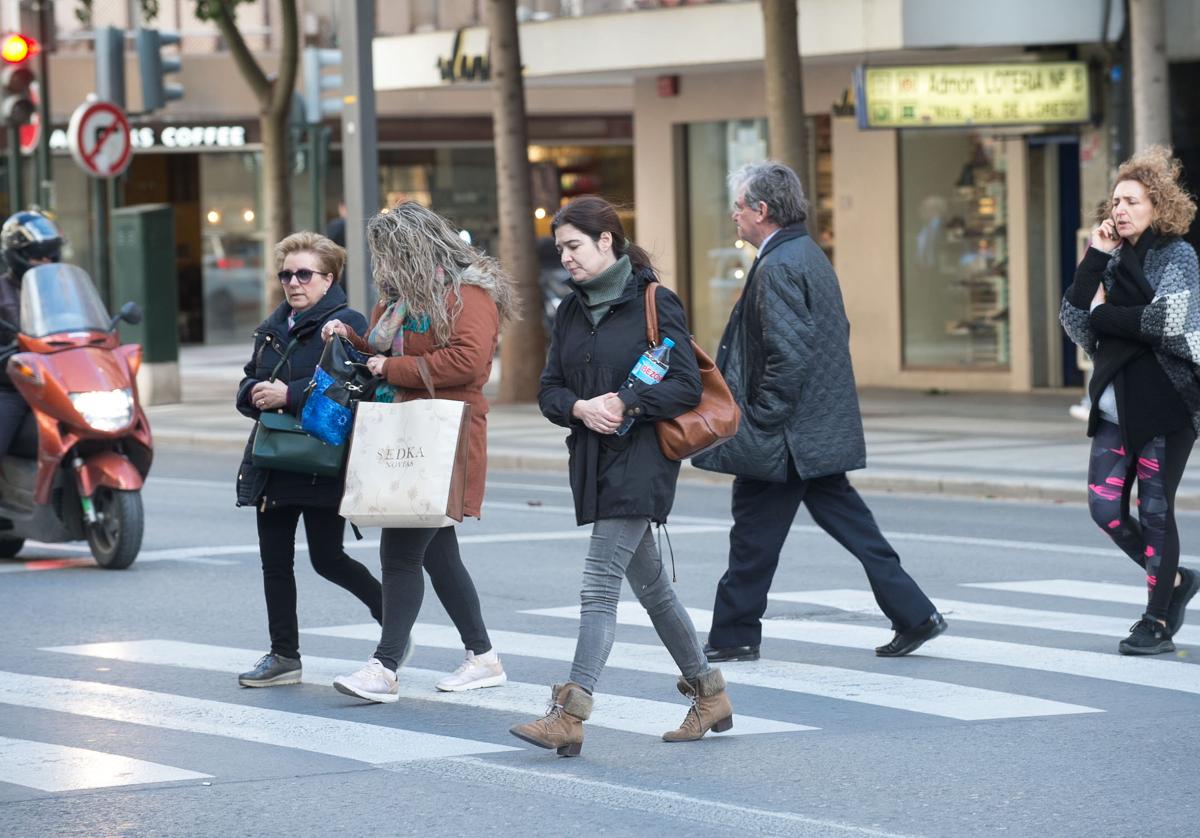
(1161, 175)
(417, 256)
(330, 255)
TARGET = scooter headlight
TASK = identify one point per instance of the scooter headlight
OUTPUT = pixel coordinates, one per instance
(105, 410)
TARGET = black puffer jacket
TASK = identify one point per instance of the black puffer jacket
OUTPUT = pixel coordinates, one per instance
(786, 356)
(619, 476)
(267, 487)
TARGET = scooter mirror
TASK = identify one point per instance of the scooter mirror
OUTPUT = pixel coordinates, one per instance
(131, 313)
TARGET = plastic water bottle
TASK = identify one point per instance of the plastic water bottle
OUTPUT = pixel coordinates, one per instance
(650, 368)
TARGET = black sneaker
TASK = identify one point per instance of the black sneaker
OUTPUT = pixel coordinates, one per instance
(1180, 597)
(1147, 637)
(272, 671)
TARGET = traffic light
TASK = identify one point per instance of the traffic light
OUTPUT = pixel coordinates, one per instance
(317, 83)
(154, 66)
(110, 65)
(16, 79)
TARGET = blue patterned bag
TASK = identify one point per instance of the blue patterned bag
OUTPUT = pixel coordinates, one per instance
(340, 378)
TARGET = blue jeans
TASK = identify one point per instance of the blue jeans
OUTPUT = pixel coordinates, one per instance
(624, 548)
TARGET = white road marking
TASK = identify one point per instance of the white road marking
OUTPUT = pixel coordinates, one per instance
(1140, 672)
(978, 612)
(634, 715)
(47, 767)
(1075, 589)
(898, 692)
(741, 820)
(334, 737)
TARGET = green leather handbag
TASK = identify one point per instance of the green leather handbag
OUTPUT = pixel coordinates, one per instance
(281, 443)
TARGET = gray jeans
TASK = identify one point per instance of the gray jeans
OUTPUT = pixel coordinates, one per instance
(624, 547)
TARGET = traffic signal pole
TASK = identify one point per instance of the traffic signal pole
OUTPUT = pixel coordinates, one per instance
(45, 173)
(16, 187)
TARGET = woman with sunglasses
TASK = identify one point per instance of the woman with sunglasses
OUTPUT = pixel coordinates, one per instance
(287, 348)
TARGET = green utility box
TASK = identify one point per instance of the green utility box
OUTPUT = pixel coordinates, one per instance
(143, 259)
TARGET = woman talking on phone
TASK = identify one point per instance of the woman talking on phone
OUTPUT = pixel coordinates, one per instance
(1134, 307)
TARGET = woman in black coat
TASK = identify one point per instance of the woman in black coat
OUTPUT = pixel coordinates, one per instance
(287, 348)
(622, 483)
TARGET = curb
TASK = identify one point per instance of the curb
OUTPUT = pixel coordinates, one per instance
(513, 459)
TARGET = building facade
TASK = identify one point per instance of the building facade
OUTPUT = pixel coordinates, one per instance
(953, 241)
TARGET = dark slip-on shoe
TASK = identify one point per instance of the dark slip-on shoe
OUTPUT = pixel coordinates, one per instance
(909, 641)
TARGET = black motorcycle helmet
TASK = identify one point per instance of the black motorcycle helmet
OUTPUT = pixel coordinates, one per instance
(29, 235)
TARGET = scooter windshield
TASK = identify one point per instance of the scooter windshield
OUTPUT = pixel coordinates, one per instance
(60, 298)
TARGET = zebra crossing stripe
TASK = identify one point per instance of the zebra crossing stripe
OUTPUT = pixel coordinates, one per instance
(367, 743)
(48, 767)
(1076, 589)
(898, 692)
(633, 715)
(979, 612)
(1140, 672)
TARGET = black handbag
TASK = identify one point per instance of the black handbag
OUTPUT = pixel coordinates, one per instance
(281, 443)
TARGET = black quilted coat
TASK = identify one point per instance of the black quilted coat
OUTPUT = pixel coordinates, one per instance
(786, 356)
(619, 476)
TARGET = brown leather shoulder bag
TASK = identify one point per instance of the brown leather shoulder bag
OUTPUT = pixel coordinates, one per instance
(708, 424)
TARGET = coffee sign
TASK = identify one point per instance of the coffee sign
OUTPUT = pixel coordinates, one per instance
(960, 95)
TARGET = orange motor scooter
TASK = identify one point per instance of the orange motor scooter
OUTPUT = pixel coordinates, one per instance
(76, 469)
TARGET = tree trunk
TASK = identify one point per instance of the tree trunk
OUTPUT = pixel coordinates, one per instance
(274, 97)
(1151, 99)
(785, 86)
(523, 348)
(276, 195)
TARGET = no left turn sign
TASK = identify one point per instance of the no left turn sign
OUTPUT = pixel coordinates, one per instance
(99, 139)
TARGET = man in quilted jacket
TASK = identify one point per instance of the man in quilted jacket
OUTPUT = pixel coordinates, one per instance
(786, 356)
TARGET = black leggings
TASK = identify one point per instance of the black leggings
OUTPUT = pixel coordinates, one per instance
(402, 554)
(277, 548)
(1153, 539)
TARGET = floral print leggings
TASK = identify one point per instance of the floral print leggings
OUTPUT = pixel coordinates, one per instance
(1153, 539)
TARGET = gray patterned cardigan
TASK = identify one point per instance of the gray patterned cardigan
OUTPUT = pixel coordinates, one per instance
(1170, 323)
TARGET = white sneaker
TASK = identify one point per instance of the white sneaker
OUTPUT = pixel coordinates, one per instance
(477, 671)
(1081, 411)
(374, 682)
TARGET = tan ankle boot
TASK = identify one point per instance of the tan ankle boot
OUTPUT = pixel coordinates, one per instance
(562, 726)
(710, 708)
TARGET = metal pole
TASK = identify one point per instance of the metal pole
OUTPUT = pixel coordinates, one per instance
(315, 177)
(45, 175)
(16, 186)
(360, 153)
(100, 238)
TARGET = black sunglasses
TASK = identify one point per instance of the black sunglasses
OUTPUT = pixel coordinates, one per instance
(305, 275)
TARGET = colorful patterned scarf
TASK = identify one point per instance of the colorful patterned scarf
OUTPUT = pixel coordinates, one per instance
(387, 337)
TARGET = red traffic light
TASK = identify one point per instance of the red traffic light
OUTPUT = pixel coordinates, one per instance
(16, 48)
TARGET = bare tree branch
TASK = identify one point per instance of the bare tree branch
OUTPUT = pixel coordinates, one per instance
(288, 59)
(224, 16)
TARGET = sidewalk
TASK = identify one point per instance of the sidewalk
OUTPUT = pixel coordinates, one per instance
(972, 444)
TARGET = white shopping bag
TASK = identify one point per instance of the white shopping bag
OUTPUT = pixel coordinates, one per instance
(407, 465)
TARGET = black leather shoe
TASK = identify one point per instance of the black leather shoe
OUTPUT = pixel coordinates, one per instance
(909, 641)
(730, 653)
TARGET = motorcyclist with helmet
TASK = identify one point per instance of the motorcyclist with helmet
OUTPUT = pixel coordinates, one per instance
(28, 238)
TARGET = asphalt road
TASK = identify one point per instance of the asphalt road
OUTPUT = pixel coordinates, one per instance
(120, 714)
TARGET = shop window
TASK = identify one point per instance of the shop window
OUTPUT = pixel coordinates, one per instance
(717, 262)
(955, 250)
(234, 253)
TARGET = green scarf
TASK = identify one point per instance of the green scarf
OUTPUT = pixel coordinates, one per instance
(602, 290)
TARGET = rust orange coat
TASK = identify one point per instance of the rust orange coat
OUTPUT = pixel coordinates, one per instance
(458, 370)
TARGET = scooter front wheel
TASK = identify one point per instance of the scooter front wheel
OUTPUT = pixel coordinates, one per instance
(116, 537)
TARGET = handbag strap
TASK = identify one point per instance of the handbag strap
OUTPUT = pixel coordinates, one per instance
(426, 378)
(286, 354)
(652, 313)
